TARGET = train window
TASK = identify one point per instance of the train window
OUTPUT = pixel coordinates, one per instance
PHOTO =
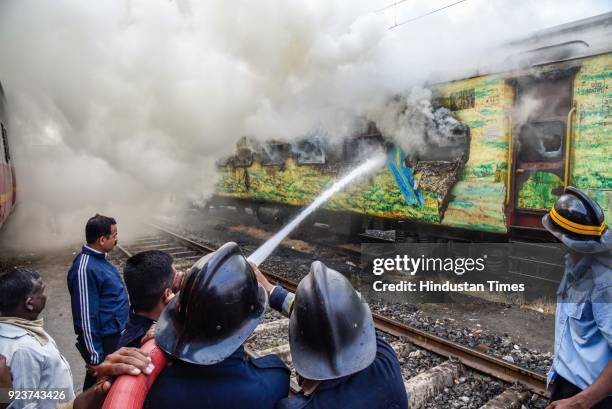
(545, 97)
(541, 114)
(357, 148)
(541, 141)
(7, 154)
(243, 158)
(459, 100)
(309, 152)
(361, 147)
(275, 153)
(244, 153)
(446, 139)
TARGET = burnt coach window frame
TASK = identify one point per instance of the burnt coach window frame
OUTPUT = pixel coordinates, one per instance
(464, 99)
(359, 148)
(275, 153)
(310, 152)
(243, 158)
(542, 141)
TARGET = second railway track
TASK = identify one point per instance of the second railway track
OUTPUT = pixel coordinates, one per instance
(423, 387)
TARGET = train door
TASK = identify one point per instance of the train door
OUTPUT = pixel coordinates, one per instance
(542, 116)
(5, 175)
(11, 181)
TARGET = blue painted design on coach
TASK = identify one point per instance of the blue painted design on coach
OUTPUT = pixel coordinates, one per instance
(404, 177)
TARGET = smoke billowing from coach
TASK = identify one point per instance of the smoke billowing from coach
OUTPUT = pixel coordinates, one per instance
(118, 105)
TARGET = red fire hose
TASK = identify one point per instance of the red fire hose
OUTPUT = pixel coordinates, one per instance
(130, 391)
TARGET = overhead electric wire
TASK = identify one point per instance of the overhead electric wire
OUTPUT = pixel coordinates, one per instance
(390, 5)
(425, 15)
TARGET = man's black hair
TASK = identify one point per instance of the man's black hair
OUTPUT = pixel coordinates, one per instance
(98, 226)
(147, 275)
(16, 285)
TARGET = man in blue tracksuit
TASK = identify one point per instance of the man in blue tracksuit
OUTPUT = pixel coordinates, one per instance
(340, 361)
(203, 329)
(98, 296)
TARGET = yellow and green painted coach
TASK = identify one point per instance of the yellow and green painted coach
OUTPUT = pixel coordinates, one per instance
(532, 131)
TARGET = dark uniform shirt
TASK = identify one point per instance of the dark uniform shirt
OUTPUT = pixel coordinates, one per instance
(379, 386)
(238, 382)
(135, 328)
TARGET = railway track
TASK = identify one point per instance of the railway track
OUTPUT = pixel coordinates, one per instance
(247, 220)
(457, 363)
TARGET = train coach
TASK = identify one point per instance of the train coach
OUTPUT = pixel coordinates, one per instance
(534, 129)
(8, 187)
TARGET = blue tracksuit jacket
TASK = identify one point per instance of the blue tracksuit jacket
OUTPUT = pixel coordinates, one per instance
(99, 302)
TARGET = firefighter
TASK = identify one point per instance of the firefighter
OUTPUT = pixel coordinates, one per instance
(338, 357)
(203, 329)
(581, 373)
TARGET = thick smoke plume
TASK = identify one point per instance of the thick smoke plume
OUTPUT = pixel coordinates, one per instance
(127, 104)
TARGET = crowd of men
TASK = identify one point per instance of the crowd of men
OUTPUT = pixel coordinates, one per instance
(202, 318)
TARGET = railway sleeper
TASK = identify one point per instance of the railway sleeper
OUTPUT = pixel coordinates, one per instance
(430, 383)
(183, 253)
(509, 399)
(271, 326)
(189, 258)
(163, 247)
(146, 240)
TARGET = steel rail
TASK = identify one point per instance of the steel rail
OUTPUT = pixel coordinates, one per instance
(124, 250)
(469, 357)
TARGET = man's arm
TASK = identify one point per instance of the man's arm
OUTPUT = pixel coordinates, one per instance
(26, 370)
(85, 308)
(5, 381)
(280, 299)
(595, 393)
(602, 387)
(125, 361)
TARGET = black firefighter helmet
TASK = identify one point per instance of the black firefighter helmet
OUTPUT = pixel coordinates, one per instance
(575, 216)
(331, 331)
(217, 309)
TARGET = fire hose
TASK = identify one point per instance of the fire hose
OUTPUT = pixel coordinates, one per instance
(130, 391)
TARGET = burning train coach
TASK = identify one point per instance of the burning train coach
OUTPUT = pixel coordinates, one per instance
(502, 146)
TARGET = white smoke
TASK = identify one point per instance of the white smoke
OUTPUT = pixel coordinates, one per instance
(407, 118)
(125, 104)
